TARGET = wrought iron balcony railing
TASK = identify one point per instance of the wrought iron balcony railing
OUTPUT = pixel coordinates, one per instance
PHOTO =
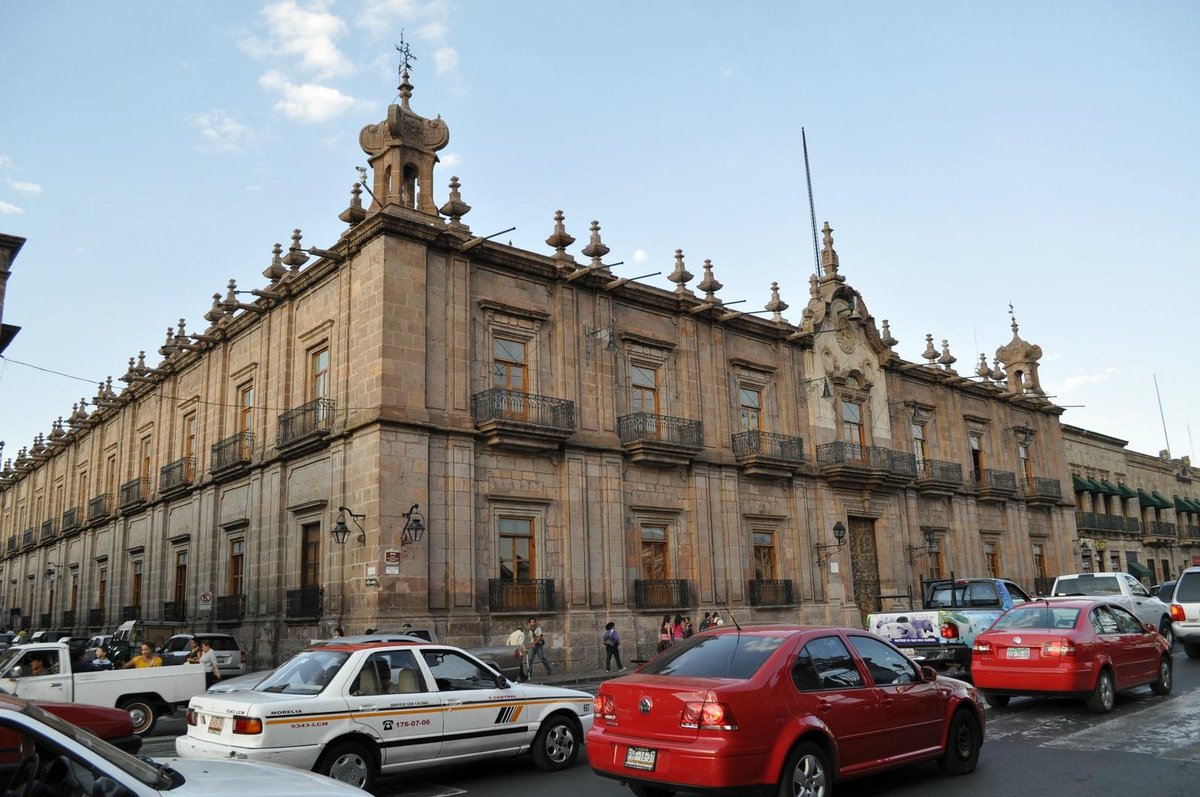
(900, 465)
(1040, 487)
(68, 618)
(232, 452)
(129, 613)
(642, 426)
(49, 529)
(936, 470)
(1161, 528)
(772, 592)
(305, 603)
(100, 508)
(72, 520)
(312, 419)
(134, 493)
(177, 475)
(768, 444)
(1133, 525)
(534, 595)
(95, 618)
(660, 593)
(1087, 521)
(28, 538)
(1192, 532)
(230, 608)
(174, 611)
(498, 404)
(12, 544)
(996, 482)
(45, 620)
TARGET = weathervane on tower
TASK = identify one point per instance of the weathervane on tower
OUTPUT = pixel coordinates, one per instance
(406, 56)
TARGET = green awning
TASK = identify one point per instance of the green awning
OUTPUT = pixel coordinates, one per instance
(1108, 489)
(1182, 505)
(1125, 491)
(1192, 505)
(1139, 570)
(1081, 484)
(1145, 499)
(1159, 501)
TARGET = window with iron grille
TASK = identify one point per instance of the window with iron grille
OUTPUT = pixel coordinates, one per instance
(310, 555)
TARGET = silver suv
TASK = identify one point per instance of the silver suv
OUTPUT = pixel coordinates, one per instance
(1185, 611)
(231, 659)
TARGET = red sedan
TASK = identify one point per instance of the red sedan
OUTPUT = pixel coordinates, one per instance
(778, 709)
(1069, 648)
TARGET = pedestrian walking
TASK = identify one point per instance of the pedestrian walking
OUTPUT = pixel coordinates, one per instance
(664, 633)
(687, 627)
(193, 656)
(706, 621)
(612, 647)
(677, 629)
(516, 641)
(536, 641)
(716, 620)
(208, 660)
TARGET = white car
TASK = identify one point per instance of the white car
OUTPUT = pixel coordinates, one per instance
(355, 711)
(1185, 611)
(45, 755)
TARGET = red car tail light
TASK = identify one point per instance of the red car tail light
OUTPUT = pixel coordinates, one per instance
(191, 716)
(1177, 613)
(247, 725)
(243, 657)
(604, 707)
(949, 631)
(707, 715)
(1058, 648)
(981, 646)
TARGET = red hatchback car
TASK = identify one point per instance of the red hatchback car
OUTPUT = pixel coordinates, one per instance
(1069, 648)
(778, 709)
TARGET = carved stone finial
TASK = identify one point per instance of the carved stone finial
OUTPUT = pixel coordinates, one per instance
(560, 239)
(275, 271)
(681, 276)
(168, 348)
(296, 256)
(215, 313)
(710, 285)
(887, 338)
(776, 306)
(947, 359)
(141, 366)
(983, 371)
(997, 372)
(829, 258)
(813, 290)
(595, 249)
(181, 336)
(930, 352)
(455, 208)
(354, 213)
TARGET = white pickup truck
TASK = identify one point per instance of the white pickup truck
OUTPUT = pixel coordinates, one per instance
(1120, 588)
(354, 711)
(145, 693)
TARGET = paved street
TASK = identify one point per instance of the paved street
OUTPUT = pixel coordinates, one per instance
(1033, 747)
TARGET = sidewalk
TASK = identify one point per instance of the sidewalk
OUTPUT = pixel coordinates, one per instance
(575, 677)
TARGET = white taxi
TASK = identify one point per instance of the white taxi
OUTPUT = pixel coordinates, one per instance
(353, 712)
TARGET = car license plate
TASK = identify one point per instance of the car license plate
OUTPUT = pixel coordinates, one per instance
(910, 652)
(1018, 653)
(215, 724)
(640, 758)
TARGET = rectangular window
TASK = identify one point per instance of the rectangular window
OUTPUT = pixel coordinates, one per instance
(59, 504)
(516, 549)
(991, 559)
(144, 458)
(318, 373)
(508, 365)
(237, 565)
(310, 555)
(1039, 562)
(181, 566)
(918, 441)
(645, 389)
(110, 475)
(1114, 559)
(1026, 464)
(749, 409)
(83, 489)
(654, 564)
(190, 428)
(853, 430)
(101, 588)
(1166, 570)
(74, 590)
(764, 555)
(245, 419)
(976, 442)
(135, 584)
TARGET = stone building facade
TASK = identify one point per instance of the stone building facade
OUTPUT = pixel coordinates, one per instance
(573, 445)
(1135, 512)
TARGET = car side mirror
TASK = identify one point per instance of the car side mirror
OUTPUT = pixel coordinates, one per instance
(501, 682)
(928, 675)
(17, 672)
(1151, 628)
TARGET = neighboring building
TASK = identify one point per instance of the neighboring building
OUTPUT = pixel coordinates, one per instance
(524, 434)
(1136, 513)
(10, 246)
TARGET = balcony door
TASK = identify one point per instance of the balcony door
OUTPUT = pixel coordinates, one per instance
(509, 373)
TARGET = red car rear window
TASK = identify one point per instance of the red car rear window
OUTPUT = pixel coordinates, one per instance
(725, 656)
(1038, 617)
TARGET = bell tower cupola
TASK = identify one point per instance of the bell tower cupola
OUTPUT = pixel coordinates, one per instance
(1020, 362)
(403, 149)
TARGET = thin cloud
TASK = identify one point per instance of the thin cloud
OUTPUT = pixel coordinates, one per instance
(426, 20)
(450, 159)
(303, 36)
(25, 188)
(306, 102)
(220, 132)
(1081, 380)
(4, 161)
(639, 255)
(445, 60)
(9, 209)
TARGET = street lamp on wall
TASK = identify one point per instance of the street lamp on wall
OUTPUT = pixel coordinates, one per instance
(929, 549)
(341, 532)
(414, 525)
(839, 534)
(51, 570)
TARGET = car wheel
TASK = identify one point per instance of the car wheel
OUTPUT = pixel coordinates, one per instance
(1163, 685)
(962, 744)
(557, 744)
(1164, 628)
(1103, 696)
(642, 790)
(996, 701)
(142, 713)
(807, 773)
(1192, 650)
(349, 763)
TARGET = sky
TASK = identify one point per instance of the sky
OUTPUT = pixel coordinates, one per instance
(967, 155)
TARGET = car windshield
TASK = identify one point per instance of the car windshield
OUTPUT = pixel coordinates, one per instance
(1037, 616)
(1087, 584)
(8, 658)
(721, 656)
(220, 642)
(306, 673)
(145, 770)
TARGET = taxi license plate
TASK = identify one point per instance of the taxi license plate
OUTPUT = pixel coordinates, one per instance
(910, 652)
(215, 724)
(640, 758)
(1018, 653)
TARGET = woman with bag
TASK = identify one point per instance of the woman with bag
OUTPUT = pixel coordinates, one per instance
(612, 647)
(664, 633)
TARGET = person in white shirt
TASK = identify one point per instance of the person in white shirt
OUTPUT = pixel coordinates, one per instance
(208, 660)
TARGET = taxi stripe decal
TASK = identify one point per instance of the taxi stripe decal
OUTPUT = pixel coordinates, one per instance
(516, 708)
(454, 737)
